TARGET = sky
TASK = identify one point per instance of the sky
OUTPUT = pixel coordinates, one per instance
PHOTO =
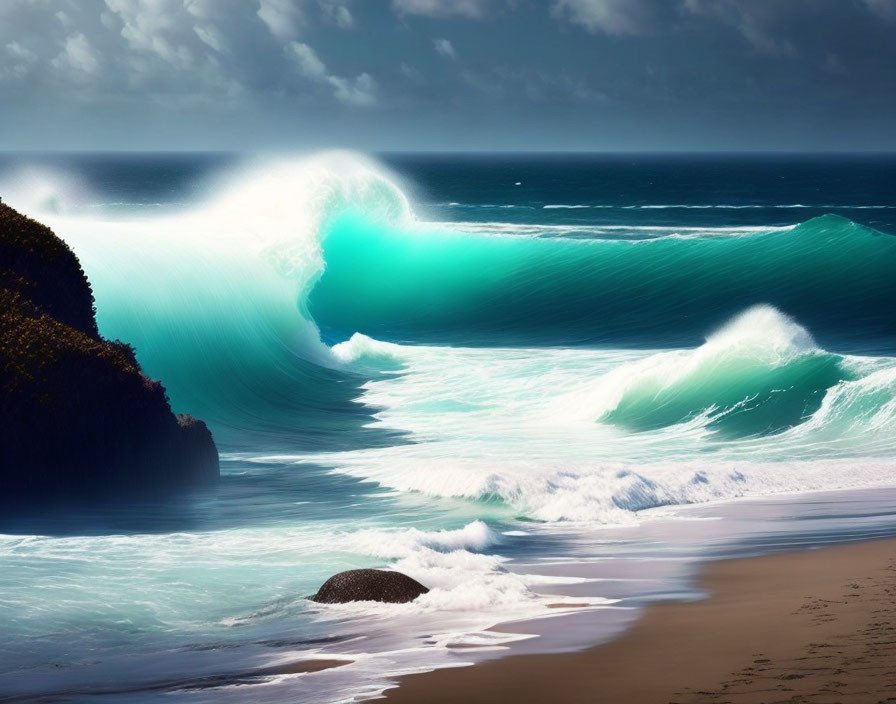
(434, 75)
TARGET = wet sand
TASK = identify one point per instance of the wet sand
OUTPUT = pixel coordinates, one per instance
(817, 626)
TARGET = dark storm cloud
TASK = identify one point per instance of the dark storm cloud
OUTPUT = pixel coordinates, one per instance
(442, 74)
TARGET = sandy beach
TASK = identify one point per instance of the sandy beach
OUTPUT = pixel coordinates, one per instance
(814, 626)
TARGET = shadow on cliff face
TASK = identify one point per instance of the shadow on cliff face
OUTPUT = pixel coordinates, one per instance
(79, 422)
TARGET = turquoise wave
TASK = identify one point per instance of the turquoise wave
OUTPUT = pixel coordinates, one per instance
(436, 284)
(760, 374)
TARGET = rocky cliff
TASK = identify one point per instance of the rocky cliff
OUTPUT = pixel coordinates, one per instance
(78, 418)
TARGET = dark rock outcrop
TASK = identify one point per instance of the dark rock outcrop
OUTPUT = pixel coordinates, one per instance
(78, 419)
(38, 265)
(369, 585)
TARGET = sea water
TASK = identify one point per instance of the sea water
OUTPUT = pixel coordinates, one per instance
(503, 375)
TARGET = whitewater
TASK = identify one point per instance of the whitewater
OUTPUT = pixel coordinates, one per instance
(506, 378)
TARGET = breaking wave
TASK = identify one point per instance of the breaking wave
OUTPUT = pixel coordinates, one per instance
(295, 302)
(760, 373)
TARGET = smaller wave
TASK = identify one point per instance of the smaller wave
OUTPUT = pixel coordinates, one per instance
(459, 574)
(633, 232)
(475, 537)
(524, 444)
(758, 409)
(561, 206)
(862, 408)
(760, 373)
(604, 491)
(366, 352)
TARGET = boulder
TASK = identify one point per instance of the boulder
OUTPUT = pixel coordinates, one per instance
(369, 585)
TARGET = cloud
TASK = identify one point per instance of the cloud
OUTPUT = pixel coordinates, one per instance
(17, 51)
(282, 17)
(158, 65)
(445, 48)
(616, 17)
(21, 59)
(411, 73)
(169, 51)
(772, 27)
(212, 37)
(79, 55)
(360, 90)
(156, 27)
(473, 9)
(307, 60)
(339, 15)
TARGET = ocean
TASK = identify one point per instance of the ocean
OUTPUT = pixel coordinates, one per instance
(546, 386)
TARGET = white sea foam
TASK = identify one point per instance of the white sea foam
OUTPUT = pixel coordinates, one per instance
(365, 351)
(612, 492)
(525, 426)
(455, 568)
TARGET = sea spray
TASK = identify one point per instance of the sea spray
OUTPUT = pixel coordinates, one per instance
(213, 296)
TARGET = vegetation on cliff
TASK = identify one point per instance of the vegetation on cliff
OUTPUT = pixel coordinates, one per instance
(78, 419)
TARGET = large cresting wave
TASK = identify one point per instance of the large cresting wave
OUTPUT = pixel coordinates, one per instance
(245, 304)
(213, 296)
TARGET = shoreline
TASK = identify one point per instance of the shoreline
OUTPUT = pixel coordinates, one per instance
(814, 625)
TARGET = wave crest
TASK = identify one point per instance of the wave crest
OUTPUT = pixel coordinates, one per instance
(365, 352)
(286, 205)
(213, 296)
(760, 373)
